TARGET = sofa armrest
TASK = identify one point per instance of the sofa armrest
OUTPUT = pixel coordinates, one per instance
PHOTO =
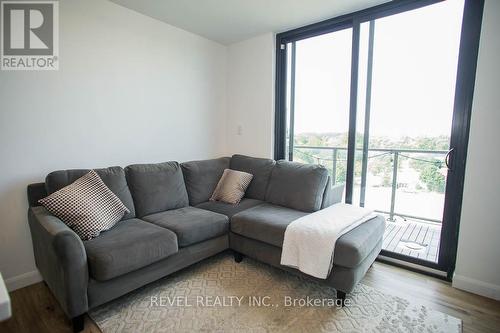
(337, 192)
(332, 195)
(61, 259)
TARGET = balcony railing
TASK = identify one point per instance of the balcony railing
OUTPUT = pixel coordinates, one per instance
(396, 154)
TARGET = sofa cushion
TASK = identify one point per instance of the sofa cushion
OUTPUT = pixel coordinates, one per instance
(228, 209)
(260, 168)
(298, 186)
(191, 225)
(113, 177)
(266, 223)
(156, 187)
(201, 178)
(130, 245)
(353, 247)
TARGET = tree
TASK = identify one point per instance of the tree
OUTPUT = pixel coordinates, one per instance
(430, 175)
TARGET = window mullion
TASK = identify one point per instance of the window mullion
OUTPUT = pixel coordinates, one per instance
(351, 142)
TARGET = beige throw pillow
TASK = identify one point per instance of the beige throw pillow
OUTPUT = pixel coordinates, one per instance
(232, 186)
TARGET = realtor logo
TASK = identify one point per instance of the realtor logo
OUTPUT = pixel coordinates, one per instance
(29, 35)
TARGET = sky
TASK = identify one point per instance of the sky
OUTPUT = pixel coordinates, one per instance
(414, 72)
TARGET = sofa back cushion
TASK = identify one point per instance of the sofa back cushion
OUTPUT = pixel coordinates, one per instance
(113, 177)
(260, 168)
(156, 187)
(298, 186)
(36, 191)
(201, 178)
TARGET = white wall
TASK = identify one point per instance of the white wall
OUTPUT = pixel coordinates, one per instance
(130, 89)
(478, 261)
(250, 96)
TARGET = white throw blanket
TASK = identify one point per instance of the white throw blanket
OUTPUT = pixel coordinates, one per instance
(309, 242)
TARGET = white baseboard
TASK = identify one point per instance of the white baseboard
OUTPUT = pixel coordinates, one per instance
(23, 280)
(486, 289)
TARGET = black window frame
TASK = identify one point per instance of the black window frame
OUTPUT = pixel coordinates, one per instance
(464, 91)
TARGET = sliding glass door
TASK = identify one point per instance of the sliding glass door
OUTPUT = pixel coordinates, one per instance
(405, 123)
(377, 97)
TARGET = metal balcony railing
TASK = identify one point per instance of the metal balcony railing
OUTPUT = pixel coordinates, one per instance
(395, 153)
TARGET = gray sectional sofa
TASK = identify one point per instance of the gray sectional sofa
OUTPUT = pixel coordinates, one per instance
(172, 224)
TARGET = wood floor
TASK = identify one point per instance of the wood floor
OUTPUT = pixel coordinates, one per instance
(36, 310)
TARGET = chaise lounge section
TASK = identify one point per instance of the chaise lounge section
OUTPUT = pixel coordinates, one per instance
(172, 224)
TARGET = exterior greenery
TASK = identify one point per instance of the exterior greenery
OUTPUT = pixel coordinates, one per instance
(428, 166)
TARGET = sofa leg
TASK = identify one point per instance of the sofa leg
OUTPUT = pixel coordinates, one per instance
(238, 257)
(341, 296)
(78, 323)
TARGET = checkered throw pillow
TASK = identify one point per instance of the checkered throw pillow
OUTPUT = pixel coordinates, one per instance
(87, 206)
(232, 186)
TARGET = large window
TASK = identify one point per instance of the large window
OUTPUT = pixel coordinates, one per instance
(379, 98)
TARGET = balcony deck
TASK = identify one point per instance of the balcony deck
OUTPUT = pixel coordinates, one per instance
(413, 238)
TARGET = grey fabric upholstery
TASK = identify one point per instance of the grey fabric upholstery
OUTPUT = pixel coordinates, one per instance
(228, 209)
(201, 178)
(298, 186)
(353, 247)
(332, 194)
(36, 192)
(341, 278)
(260, 168)
(266, 223)
(128, 246)
(136, 252)
(61, 259)
(346, 278)
(191, 225)
(100, 292)
(337, 193)
(156, 187)
(113, 177)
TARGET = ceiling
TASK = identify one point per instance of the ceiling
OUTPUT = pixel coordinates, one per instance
(230, 21)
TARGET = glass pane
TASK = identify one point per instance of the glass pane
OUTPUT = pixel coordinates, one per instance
(415, 57)
(321, 101)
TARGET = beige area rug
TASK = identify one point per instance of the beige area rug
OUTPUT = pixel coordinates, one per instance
(219, 295)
